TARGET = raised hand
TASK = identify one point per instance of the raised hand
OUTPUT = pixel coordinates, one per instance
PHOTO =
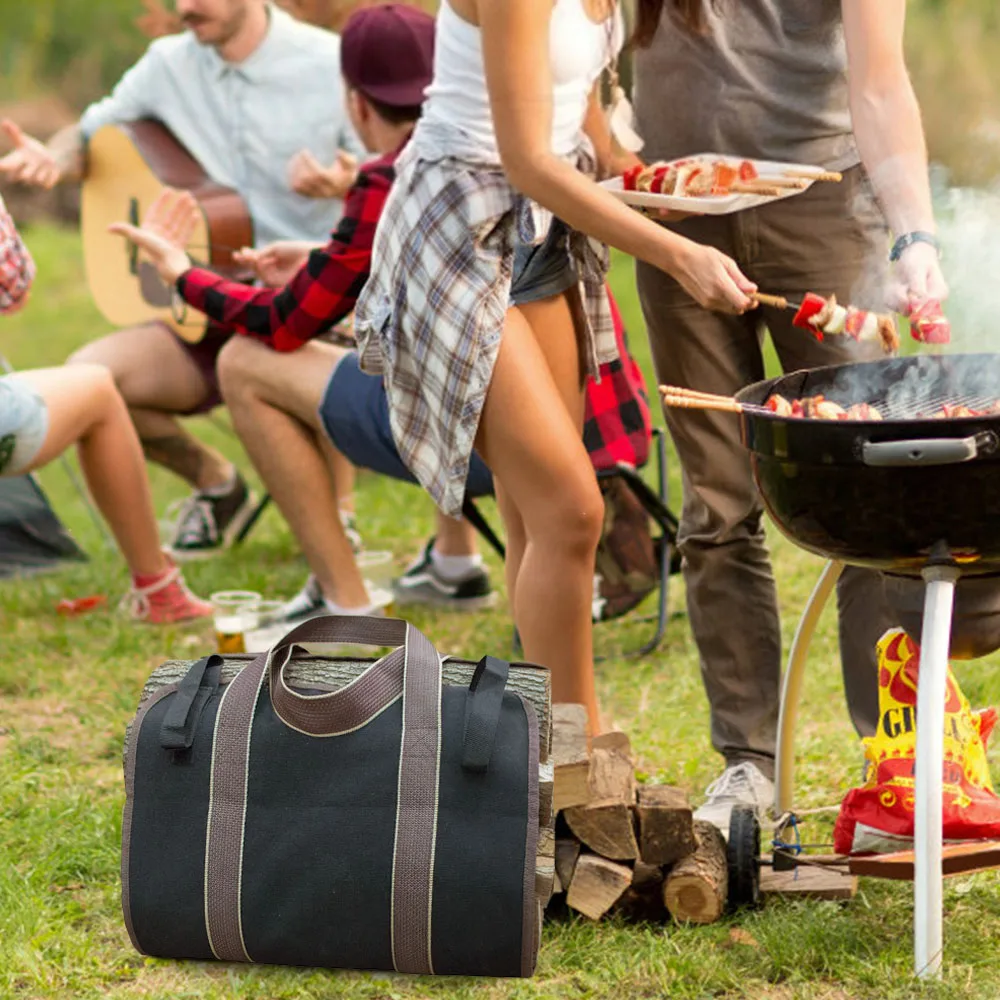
(30, 161)
(308, 177)
(166, 229)
(277, 263)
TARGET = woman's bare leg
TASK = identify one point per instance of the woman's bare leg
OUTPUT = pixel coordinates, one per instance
(530, 437)
(86, 409)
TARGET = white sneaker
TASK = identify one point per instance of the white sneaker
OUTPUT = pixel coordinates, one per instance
(739, 784)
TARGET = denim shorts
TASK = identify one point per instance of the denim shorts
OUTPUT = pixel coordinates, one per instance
(24, 425)
(354, 412)
(543, 270)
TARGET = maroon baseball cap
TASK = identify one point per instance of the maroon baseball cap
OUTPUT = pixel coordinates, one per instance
(387, 53)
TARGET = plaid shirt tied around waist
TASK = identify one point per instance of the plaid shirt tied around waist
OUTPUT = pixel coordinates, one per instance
(431, 316)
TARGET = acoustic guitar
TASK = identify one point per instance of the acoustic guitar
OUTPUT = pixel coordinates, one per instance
(128, 166)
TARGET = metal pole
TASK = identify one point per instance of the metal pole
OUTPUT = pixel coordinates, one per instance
(929, 764)
(791, 687)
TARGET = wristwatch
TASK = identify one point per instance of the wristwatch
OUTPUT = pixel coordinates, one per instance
(908, 239)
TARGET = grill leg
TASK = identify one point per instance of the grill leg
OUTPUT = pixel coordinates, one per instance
(791, 687)
(931, 691)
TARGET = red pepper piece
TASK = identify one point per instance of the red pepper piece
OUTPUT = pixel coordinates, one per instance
(812, 305)
(659, 174)
(772, 404)
(928, 324)
(748, 172)
(79, 605)
(631, 176)
(855, 322)
(798, 410)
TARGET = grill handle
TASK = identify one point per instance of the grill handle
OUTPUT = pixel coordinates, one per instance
(928, 451)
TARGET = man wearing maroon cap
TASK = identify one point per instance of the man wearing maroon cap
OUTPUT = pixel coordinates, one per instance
(292, 397)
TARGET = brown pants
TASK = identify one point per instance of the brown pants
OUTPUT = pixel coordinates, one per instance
(832, 238)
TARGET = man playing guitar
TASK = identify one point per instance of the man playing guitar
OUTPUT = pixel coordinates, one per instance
(256, 97)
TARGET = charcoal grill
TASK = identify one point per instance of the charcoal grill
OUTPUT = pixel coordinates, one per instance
(912, 495)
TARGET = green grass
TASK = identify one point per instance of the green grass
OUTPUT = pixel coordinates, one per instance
(68, 687)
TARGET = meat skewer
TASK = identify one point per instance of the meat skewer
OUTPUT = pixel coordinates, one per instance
(826, 317)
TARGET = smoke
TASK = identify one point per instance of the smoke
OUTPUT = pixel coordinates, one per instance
(969, 230)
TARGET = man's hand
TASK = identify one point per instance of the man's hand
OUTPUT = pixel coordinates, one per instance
(277, 263)
(30, 161)
(166, 229)
(917, 277)
(310, 178)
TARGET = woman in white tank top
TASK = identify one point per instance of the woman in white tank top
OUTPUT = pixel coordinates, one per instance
(472, 310)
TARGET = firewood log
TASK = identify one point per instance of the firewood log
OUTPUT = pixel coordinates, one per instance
(605, 827)
(597, 885)
(666, 829)
(567, 853)
(643, 899)
(570, 755)
(695, 888)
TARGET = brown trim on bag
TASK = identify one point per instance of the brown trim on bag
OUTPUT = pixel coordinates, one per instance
(343, 711)
(416, 808)
(227, 807)
(131, 748)
(531, 923)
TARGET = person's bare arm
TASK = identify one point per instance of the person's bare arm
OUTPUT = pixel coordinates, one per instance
(890, 135)
(40, 164)
(515, 36)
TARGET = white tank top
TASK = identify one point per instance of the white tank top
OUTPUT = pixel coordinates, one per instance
(579, 50)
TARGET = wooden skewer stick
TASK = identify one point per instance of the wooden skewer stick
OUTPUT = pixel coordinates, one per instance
(816, 175)
(797, 183)
(754, 187)
(776, 301)
(691, 399)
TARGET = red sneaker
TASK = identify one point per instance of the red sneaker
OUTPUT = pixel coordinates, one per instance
(166, 599)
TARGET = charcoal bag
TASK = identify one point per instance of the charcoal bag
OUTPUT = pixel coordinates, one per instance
(285, 810)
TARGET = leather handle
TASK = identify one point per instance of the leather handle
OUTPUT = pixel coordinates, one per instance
(337, 712)
(482, 712)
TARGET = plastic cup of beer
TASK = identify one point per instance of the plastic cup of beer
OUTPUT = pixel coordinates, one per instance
(376, 568)
(236, 612)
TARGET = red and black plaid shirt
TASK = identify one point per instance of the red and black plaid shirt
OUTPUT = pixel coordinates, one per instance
(617, 425)
(324, 290)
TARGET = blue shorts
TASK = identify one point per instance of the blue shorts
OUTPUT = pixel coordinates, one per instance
(24, 425)
(355, 415)
(354, 410)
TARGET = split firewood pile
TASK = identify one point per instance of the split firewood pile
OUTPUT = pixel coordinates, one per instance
(619, 847)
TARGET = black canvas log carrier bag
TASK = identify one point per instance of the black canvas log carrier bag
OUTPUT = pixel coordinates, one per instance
(338, 812)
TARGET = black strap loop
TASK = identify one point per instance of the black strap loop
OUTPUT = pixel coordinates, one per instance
(482, 712)
(193, 692)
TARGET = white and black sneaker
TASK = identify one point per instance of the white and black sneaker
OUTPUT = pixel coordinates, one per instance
(423, 583)
(208, 522)
(307, 603)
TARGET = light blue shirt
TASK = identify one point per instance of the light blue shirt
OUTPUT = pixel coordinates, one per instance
(243, 122)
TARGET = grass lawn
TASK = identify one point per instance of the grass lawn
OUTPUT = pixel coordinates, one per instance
(68, 687)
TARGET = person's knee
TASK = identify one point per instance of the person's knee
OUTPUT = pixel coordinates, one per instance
(572, 522)
(237, 367)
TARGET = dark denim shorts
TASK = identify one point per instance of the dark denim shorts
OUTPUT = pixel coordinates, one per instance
(544, 270)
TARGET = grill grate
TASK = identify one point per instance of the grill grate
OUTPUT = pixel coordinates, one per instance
(922, 406)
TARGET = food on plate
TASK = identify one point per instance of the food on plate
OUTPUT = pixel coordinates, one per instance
(826, 317)
(928, 323)
(701, 178)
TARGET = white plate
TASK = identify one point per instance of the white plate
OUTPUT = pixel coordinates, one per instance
(713, 206)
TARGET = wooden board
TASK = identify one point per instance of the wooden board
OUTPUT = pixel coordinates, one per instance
(809, 882)
(956, 859)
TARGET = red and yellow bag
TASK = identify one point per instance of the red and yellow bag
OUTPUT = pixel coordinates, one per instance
(878, 817)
